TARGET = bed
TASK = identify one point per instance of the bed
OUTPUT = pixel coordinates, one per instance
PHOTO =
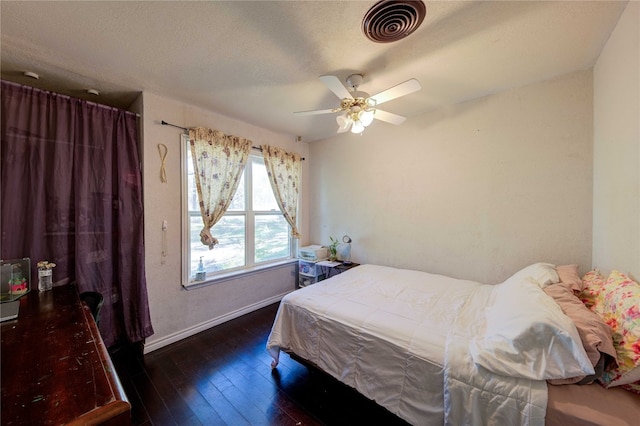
(434, 349)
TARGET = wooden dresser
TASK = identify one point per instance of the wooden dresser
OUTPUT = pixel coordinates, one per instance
(55, 367)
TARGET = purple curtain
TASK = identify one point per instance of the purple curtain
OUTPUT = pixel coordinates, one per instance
(72, 195)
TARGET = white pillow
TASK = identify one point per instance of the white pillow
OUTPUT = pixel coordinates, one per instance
(527, 335)
(542, 273)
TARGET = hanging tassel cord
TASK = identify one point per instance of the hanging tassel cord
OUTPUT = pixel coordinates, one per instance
(163, 150)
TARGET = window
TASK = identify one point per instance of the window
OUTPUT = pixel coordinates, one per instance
(252, 233)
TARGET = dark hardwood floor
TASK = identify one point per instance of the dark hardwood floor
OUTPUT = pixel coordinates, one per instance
(222, 376)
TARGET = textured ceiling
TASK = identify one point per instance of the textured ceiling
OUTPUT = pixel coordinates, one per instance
(259, 61)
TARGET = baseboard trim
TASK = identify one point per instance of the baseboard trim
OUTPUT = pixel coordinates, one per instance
(177, 336)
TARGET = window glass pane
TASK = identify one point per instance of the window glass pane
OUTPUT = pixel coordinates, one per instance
(192, 194)
(271, 237)
(237, 204)
(228, 253)
(270, 232)
(263, 198)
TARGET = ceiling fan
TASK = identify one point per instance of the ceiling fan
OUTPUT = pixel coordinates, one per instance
(359, 108)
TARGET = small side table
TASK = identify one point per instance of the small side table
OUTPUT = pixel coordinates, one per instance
(330, 268)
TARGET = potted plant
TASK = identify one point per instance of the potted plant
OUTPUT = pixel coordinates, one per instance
(333, 249)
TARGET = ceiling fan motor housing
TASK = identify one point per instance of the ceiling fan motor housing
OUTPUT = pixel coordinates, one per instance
(354, 80)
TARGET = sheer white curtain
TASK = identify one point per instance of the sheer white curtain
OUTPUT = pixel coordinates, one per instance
(218, 162)
(284, 170)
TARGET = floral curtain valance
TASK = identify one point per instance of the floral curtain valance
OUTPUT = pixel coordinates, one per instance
(218, 161)
(284, 170)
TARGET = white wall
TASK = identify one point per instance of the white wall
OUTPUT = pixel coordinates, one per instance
(176, 312)
(616, 186)
(475, 191)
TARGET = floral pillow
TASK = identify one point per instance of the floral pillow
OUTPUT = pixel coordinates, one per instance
(633, 387)
(620, 309)
(592, 284)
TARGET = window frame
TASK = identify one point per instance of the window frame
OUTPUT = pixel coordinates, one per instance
(250, 266)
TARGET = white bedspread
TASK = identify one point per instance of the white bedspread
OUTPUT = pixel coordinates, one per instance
(473, 394)
(384, 331)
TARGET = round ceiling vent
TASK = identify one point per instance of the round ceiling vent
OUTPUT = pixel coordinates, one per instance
(393, 20)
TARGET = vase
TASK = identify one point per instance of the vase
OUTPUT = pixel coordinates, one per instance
(45, 279)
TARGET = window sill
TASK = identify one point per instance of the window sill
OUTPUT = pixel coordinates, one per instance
(216, 279)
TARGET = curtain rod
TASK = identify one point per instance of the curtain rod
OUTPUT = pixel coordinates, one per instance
(99, 105)
(164, 123)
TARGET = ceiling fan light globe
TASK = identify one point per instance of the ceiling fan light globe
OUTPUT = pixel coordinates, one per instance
(343, 123)
(357, 127)
(366, 117)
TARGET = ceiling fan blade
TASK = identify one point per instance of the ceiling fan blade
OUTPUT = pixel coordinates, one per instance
(314, 112)
(396, 91)
(389, 117)
(334, 84)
